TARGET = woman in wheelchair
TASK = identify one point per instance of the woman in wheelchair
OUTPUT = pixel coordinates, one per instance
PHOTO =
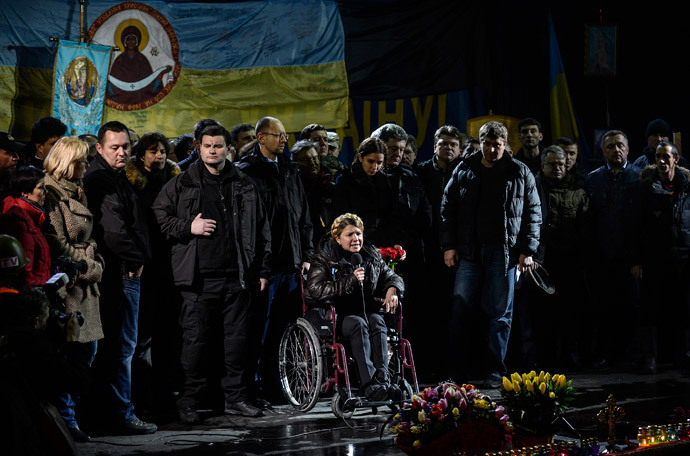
(353, 289)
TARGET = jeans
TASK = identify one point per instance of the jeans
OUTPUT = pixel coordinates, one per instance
(66, 402)
(488, 282)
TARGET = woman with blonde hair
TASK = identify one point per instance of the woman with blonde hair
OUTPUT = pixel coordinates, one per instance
(69, 228)
(351, 273)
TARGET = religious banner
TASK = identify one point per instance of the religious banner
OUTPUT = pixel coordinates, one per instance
(79, 88)
(177, 63)
(146, 63)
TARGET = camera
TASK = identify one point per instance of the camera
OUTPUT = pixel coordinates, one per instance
(68, 270)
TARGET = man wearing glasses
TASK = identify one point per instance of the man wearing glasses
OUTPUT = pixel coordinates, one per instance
(277, 179)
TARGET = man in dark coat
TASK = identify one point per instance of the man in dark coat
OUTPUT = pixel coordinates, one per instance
(121, 232)
(214, 218)
(490, 217)
(279, 185)
(662, 249)
(613, 191)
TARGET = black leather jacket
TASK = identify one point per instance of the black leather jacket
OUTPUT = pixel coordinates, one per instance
(331, 279)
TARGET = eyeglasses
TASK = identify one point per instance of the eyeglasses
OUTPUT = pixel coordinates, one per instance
(280, 136)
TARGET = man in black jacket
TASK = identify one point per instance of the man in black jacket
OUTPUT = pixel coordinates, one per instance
(490, 218)
(214, 218)
(278, 182)
(122, 235)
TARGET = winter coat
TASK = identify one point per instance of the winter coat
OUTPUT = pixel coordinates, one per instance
(664, 218)
(564, 212)
(120, 228)
(331, 278)
(181, 200)
(372, 200)
(522, 210)
(23, 221)
(277, 187)
(412, 208)
(69, 229)
(613, 202)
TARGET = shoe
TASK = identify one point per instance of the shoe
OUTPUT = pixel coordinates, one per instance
(78, 435)
(395, 393)
(494, 381)
(136, 426)
(262, 404)
(376, 392)
(189, 415)
(243, 408)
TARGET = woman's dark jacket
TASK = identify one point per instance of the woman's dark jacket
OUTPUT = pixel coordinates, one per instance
(522, 210)
(180, 201)
(331, 279)
(372, 200)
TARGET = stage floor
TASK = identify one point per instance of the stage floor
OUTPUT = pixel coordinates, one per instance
(647, 399)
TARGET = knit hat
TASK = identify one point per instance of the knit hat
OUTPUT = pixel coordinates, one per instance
(658, 127)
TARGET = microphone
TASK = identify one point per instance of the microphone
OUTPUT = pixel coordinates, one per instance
(356, 261)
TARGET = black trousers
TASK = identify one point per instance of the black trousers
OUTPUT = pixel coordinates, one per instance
(214, 313)
(369, 344)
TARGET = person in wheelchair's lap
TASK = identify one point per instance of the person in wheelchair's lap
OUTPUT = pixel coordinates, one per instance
(352, 288)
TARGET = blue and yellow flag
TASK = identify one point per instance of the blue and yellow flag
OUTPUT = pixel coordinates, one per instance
(81, 72)
(563, 121)
(176, 62)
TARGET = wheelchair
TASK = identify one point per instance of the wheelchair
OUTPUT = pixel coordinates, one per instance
(313, 361)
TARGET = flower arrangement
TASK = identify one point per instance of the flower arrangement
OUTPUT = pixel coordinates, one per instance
(392, 255)
(535, 401)
(437, 412)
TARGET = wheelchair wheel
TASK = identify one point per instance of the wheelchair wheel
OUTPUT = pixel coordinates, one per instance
(338, 407)
(301, 365)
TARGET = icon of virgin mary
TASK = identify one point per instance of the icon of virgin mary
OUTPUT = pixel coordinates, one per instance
(132, 79)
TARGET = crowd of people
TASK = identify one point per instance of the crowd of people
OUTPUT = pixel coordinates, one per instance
(197, 252)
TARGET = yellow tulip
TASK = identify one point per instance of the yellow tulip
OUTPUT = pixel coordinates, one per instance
(562, 381)
(542, 387)
(417, 444)
(524, 378)
(507, 384)
(554, 379)
(515, 377)
(532, 374)
(529, 386)
(552, 394)
(516, 386)
(547, 377)
(541, 376)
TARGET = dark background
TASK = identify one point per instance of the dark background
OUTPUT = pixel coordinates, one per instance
(503, 51)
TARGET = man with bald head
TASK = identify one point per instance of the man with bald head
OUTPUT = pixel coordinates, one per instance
(277, 179)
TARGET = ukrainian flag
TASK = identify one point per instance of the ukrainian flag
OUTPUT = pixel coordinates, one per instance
(563, 120)
(234, 62)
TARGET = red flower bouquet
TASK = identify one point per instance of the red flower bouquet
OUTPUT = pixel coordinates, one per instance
(392, 255)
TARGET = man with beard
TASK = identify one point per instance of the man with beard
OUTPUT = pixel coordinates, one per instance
(613, 191)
